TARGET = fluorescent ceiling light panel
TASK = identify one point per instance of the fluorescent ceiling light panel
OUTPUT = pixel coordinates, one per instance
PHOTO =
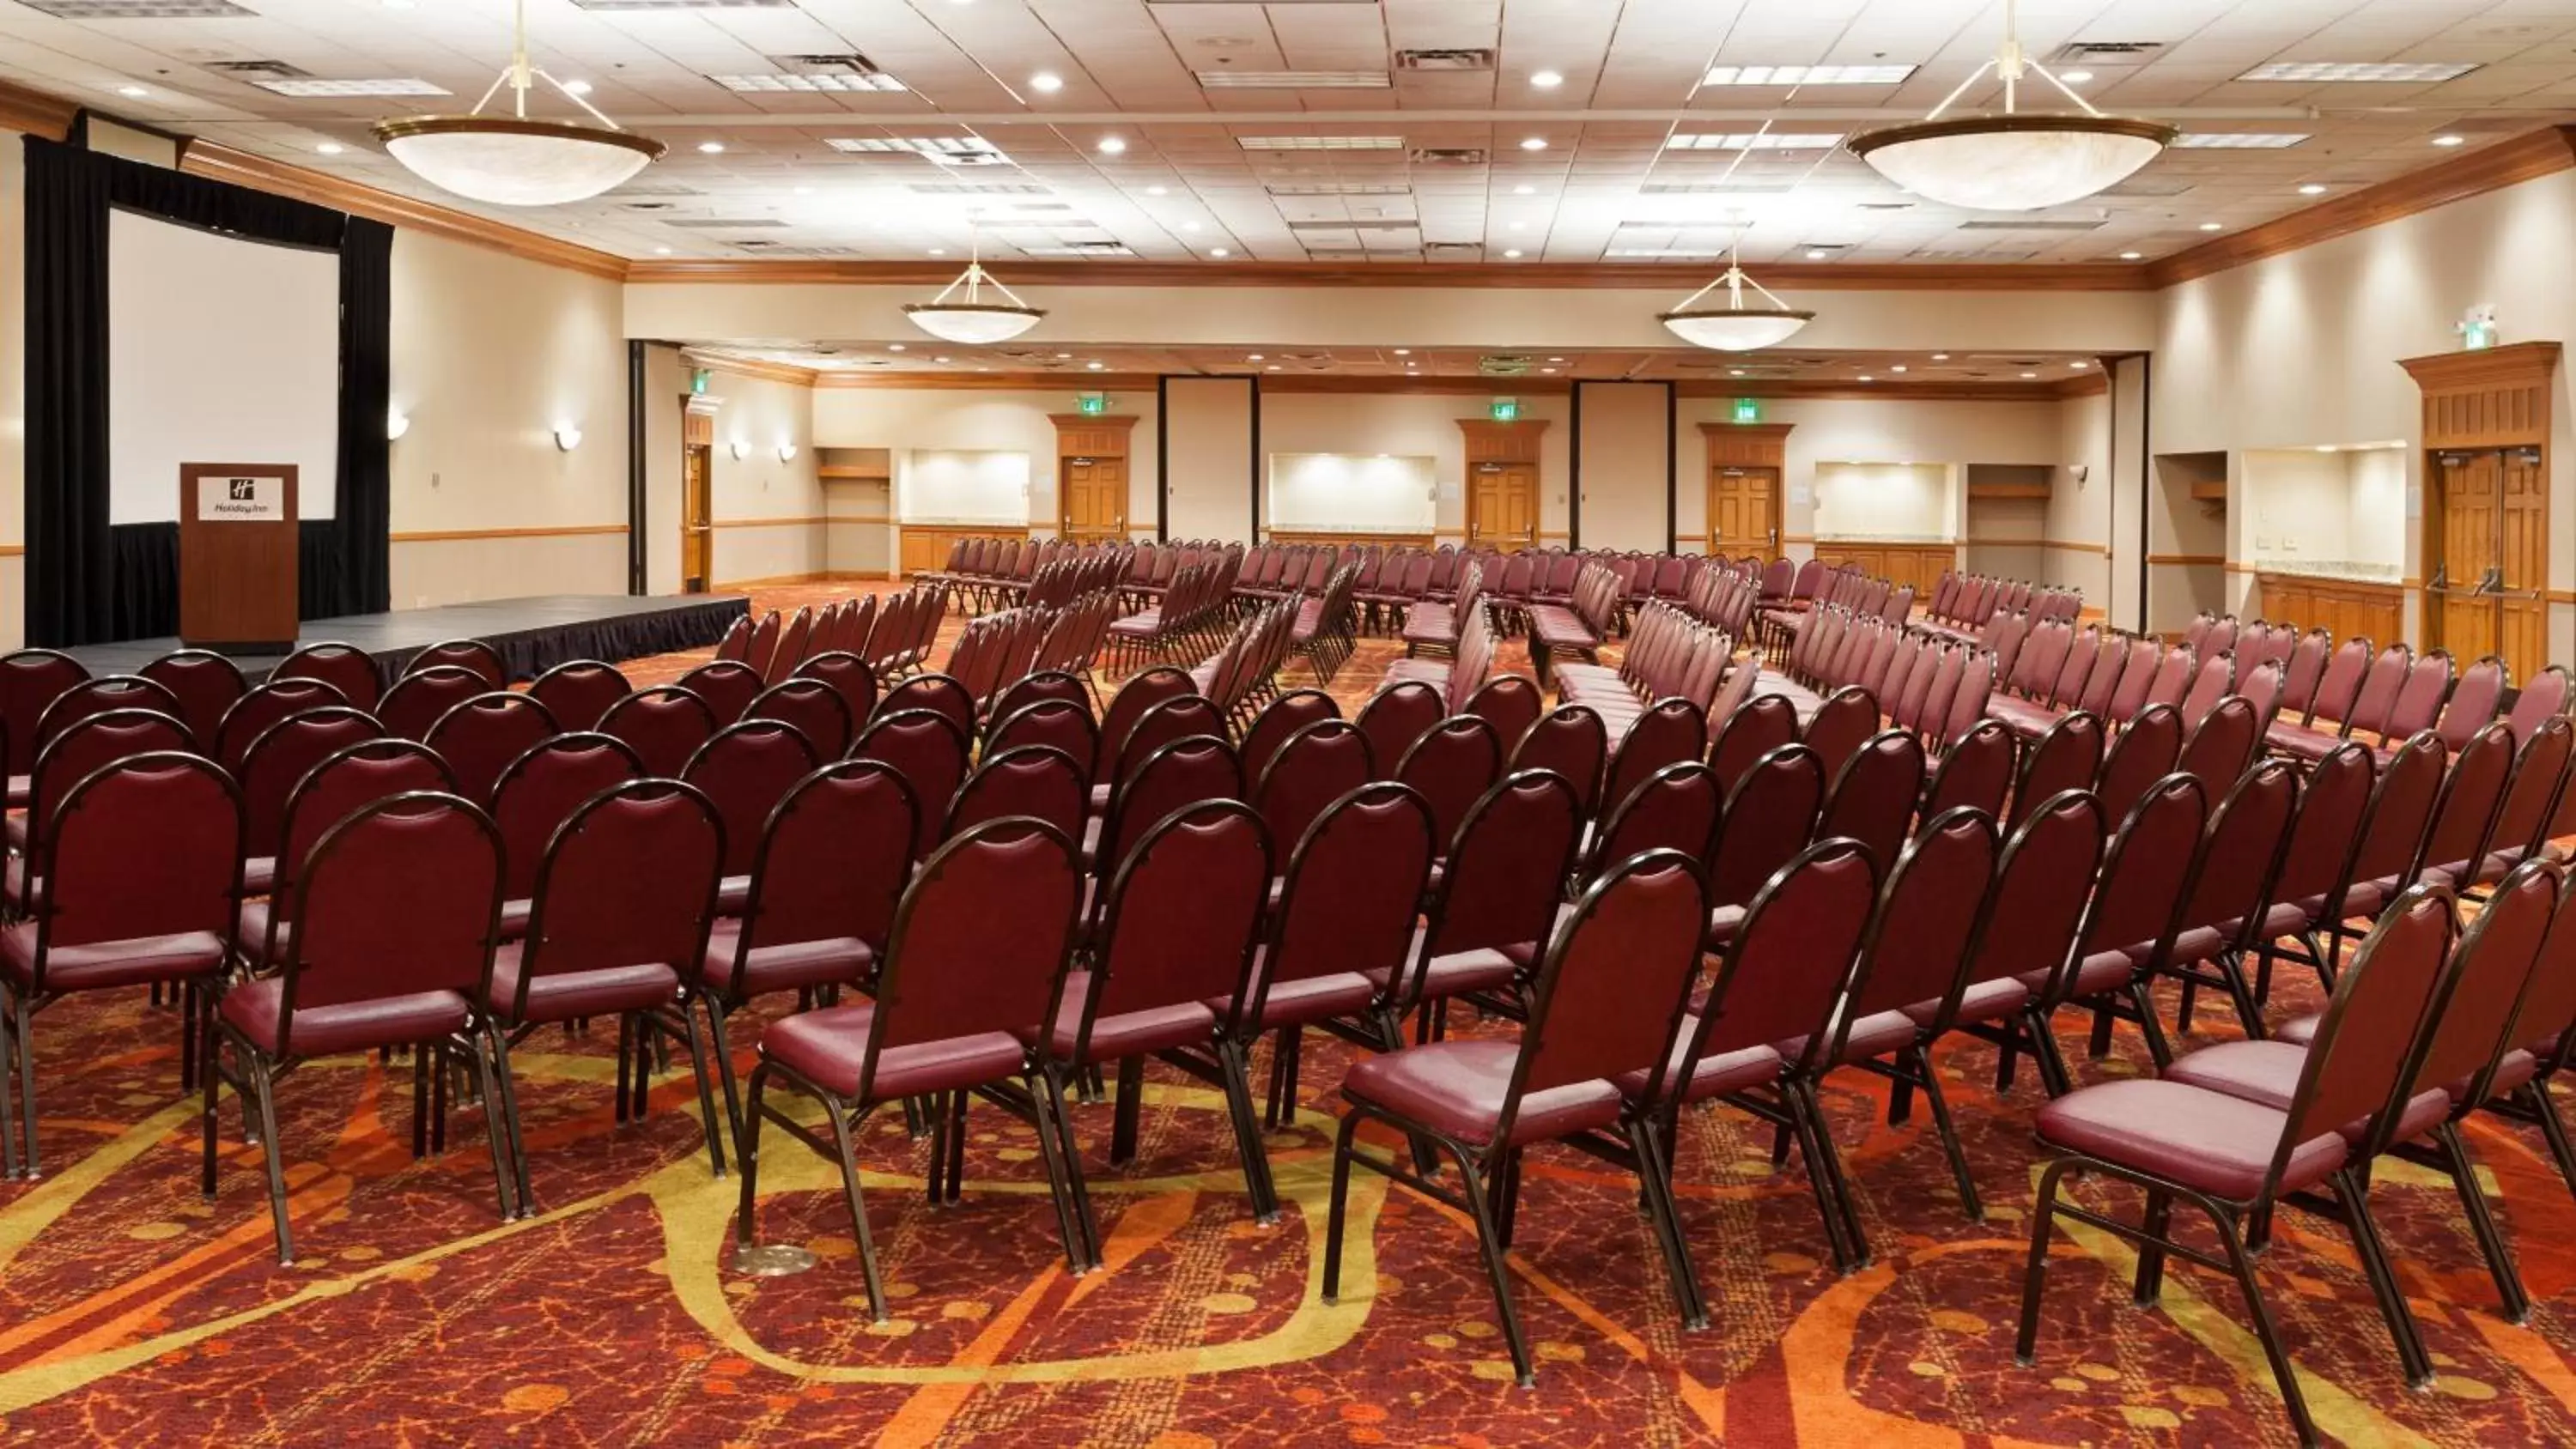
(1756, 141)
(2239, 140)
(1341, 188)
(390, 87)
(684, 4)
(1669, 254)
(1293, 80)
(2416, 71)
(937, 148)
(797, 81)
(1320, 143)
(1807, 75)
(139, 9)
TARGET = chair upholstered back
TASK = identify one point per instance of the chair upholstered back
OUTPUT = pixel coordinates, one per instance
(1044, 684)
(2037, 905)
(401, 898)
(1183, 912)
(30, 681)
(1281, 718)
(1184, 772)
(1314, 767)
(1670, 731)
(481, 736)
(545, 786)
(1510, 703)
(2145, 752)
(475, 655)
(1675, 808)
(337, 787)
(1614, 983)
(1874, 796)
(2487, 979)
(929, 751)
(148, 846)
(746, 769)
(937, 693)
(98, 696)
(813, 707)
(1037, 781)
(2329, 823)
(2139, 897)
(1976, 771)
(2470, 798)
(1763, 724)
(1145, 690)
(1572, 741)
(1452, 765)
(2401, 809)
(1796, 952)
(834, 857)
(204, 683)
(1927, 914)
(2221, 745)
(1395, 717)
(278, 760)
(344, 667)
(628, 879)
(1055, 723)
(2539, 775)
(1507, 866)
(1353, 890)
(2379, 1006)
(850, 677)
(579, 692)
(418, 698)
(664, 725)
(728, 687)
(1770, 816)
(2241, 850)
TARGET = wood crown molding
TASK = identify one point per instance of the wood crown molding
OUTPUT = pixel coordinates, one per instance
(786, 372)
(34, 112)
(807, 522)
(1280, 384)
(2515, 364)
(481, 535)
(2526, 157)
(1124, 422)
(1585, 276)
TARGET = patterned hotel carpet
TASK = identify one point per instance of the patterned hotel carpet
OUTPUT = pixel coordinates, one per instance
(132, 1313)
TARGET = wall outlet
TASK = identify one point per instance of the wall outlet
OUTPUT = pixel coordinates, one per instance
(433, 480)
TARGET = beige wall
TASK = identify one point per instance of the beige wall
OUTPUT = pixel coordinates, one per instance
(2077, 522)
(489, 355)
(666, 379)
(768, 510)
(1422, 425)
(903, 420)
(13, 391)
(1627, 453)
(1207, 467)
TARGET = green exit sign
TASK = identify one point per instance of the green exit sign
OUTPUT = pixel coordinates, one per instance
(1092, 404)
(698, 383)
(1507, 409)
(1748, 410)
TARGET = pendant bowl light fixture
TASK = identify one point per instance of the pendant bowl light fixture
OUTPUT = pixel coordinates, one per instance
(2017, 161)
(514, 160)
(1734, 327)
(973, 319)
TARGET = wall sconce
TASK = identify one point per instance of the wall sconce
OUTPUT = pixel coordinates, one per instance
(567, 437)
(737, 448)
(397, 423)
(787, 452)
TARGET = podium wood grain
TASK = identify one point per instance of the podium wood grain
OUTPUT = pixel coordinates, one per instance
(237, 579)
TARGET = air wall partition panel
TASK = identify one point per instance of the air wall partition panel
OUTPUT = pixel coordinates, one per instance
(1211, 429)
(1623, 464)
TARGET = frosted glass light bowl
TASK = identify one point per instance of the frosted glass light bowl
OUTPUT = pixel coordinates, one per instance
(509, 161)
(2015, 162)
(1735, 329)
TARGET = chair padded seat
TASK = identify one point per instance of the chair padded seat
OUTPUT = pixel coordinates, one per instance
(1711, 1076)
(733, 895)
(1126, 1034)
(254, 944)
(102, 964)
(2299, 1030)
(1723, 924)
(1876, 1035)
(2299, 741)
(1429, 623)
(786, 966)
(1562, 628)
(2028, 719)
(2268, 1072)
(21, 787)
(1457, 972)
(1982, 1001)
(1434, 672)
(826, 1048)
(563, 995)
(1457, 1089)
(2207, 1141)
(252, 1009)
(1143, 625)
(2102, 971)
(1308, 998)
(2287, 918)
(14, 887)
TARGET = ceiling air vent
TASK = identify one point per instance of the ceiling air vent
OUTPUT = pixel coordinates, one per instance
(1503, 364)
(723, 223)
(978, 188)
(683, 4)
(1475, 59)
(1341, 188)
(260, 70)
(2103, 52)
(2000, 225)
(139, 9)
(1453, 251)
(1447, 155)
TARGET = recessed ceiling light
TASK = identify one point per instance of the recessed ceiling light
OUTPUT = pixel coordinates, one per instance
(1816, 254)
(939, 359)
(1534, 143)
(1112, 145)
(1524, 190)
(1158, 191)
(2076, 77)
(1806, 75)
(576, 88)
(711, 148)
(2449, 140)
(2213, 226)
(894, 347)
(661, 251)
(1514, 226)
(2239, 140)
(398, 4)
(2030, 374)
(1095, 364)
(1404, 352)
(1546, 80)
(2421, 72)
(1556, 359)
(1900, 367)
(2131, 256)
(939, 251)
(136, 91)
(2312, 189)
(1219, 252)
(2077, 364)
(1254, 356)
(1064, 357)
(1047, 81)
(1865, 377)
(1512, 254)
(1550, 371)
(1274, 367)
(330, 148)
(1940, 357)
(1735, 372)
(803, 190)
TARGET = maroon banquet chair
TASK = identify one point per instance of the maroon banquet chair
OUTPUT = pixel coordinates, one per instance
(1178, 718)
(1572, 741)
(930, 752)
(30, 681)
(276, 763)
(1510, 703)
(2067, 757)
(1847, 718)
(269, 701)
(761, 647)
(1794, 958)
(727, 687)
(976, 960)
(535, 794)
(476, 656)
(1396, 716)
(2472, 797)
(2235, 1161)
(793, 640)
(737, 639)
(2539, 779)
(1976, 772)
(1181, 919)
(624, 897)
(1278, 720)
(1311, 769)
(98, 696)
(663, 725)
(2028, 925)
(1043, 684)
(2233, 883)
(479, 737)
(1770, 816)
(204, 683)
(1606, 1003)
(1675, 808)
(335, 788)
(1873, 797)
(1140, 693)
(1667, 733)
(1764, 723)
(1348, 906)
(1451, 766)
(2135, 909)
(1493, 905)
(746, 769)
(2222, 745)
(345, 667)
(2322, 841)
(2543, 695)
(2385, 853)
(416, 701)
(2147, 750)
(937, 693)
(1055, 723)
(850, 676)
(813, 707)
(89, 745)
(142, 865)
(1184, 772)
(398, 913)
(580, 692)
(1037, 781)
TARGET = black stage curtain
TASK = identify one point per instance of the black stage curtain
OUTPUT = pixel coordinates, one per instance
(88, 582)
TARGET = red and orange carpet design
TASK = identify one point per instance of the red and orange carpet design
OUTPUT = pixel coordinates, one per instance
(132, 1313)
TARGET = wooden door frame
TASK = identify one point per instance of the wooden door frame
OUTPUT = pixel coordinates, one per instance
(1093, 435)
(1469, 514)
(698, 430)
(1491, 441)
(2499, 398)
(1745, 445)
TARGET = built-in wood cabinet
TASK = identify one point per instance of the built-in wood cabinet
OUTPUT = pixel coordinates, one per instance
(1919, 564)
(2343, 607)
(925, 546)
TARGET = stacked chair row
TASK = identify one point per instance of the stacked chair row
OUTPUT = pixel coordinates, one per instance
(1963, 604)
(1325, 631)
(1932, 688)
(1189, 613)
(1243, 676)
(1725, 599)
(2107, 674)
(1273, 571)
(988, 573)
(1436, 623)
(1578, 626)
(1846, 588)
(1669, 655)
(892, 632)
(1457, 679)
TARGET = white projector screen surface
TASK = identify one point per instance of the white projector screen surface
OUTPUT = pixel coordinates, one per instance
(219, 350)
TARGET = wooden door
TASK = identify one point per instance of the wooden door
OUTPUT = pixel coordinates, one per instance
(1502, 509)
(1094, 499)
(1743, 511)
(697, 522)
(2461, 608)
(2522, 562)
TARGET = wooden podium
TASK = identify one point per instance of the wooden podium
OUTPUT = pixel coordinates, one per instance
(237, 557)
